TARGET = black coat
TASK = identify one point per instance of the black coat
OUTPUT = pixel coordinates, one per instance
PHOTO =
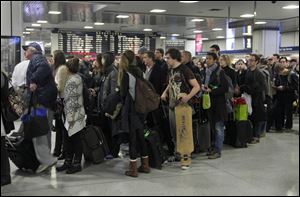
(255, 85)
(218, 112)
(158, 78)
(231, 73)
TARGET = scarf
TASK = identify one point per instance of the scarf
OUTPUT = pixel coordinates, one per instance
(209, 71)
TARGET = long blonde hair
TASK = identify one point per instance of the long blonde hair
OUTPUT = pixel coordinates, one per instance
(227, 59)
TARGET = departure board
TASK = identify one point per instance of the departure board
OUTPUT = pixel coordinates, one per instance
(103, 41)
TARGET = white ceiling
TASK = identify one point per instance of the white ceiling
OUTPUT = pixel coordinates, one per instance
(177, 19)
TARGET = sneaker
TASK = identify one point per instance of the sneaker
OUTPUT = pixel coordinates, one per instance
(214, 156)
(185, 167)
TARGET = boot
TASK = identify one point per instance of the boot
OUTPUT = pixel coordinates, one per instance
(144, 168)
(75, 167)
(67, 165)
(132, 169)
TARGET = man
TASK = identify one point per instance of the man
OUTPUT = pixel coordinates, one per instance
(255, 85)
(286, 85)
(186, 59)
(19, 83)
(284, 61)
(215, 49)
(157, 76)
(139, 58)
(159, 57)
(217, 114)
(19, 75)
(276, 58)
(40, 83)
(181, 80)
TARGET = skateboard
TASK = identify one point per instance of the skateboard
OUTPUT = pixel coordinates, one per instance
(184, 132)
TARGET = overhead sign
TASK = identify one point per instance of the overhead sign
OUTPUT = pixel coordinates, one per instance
(284, 49)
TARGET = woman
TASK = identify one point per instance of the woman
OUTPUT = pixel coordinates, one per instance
(105, 88)
(216, 85)
(241, 69)
(225, 63)
(126, 81)
(93, 114)
(61, 74)
(75, 119)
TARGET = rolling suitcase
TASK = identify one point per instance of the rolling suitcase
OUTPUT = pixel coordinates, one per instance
(21, 153)
(204, 136)
(244, 133)
(238, 133)
(94, 144)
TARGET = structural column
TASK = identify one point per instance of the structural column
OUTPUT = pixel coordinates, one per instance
(266, 41)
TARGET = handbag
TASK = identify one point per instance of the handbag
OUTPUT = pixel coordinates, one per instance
(206, 104)
(35, 121)
(13, 105)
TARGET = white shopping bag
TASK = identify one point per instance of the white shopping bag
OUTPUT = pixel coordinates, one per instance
(248, 101)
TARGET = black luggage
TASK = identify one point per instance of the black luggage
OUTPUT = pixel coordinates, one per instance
(21, 153)
(238, 133)
(94, 144)
(244, 131)
(204, 136)
(157, 155)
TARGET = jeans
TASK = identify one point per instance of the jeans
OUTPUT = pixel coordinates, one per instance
(219, 136)
(258, 128)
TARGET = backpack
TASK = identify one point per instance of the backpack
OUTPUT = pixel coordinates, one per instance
(146, 98)
(230, 93)
(268, 88)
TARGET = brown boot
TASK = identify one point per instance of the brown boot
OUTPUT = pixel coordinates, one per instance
(132, 169)
(145, 165)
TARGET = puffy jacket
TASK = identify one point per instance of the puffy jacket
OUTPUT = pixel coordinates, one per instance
(39, 72)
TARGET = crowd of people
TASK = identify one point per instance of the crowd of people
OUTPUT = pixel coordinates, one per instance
(176, 76)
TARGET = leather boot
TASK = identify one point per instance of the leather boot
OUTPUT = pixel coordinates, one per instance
(144, 168)
(67, 165)
(75, 167)
(132, 169)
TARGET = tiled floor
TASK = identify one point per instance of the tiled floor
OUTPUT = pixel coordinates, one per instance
(268, 168)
